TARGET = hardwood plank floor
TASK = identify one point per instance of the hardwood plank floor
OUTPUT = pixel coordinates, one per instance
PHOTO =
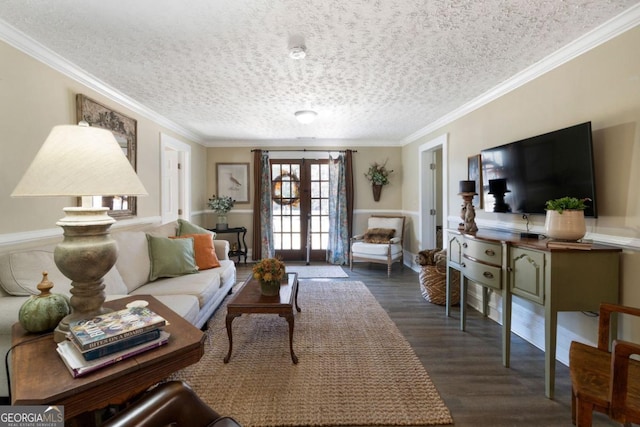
(466, 367)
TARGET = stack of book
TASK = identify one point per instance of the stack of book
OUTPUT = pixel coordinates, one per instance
(95, 343)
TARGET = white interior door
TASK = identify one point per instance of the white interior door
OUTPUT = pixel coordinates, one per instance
(433, 184)
(175, 174)
(171, 203)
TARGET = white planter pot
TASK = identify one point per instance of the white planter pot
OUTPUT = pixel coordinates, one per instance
(568, 225)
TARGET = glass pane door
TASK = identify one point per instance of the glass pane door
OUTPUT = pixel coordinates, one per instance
(300, 208)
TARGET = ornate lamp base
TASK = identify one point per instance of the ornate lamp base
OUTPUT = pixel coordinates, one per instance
(85, 256)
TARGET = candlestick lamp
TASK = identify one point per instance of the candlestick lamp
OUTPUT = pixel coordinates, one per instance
(468, 213)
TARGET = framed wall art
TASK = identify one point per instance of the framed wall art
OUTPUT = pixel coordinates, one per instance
(233, 180)
(474, 173)
(125, 131)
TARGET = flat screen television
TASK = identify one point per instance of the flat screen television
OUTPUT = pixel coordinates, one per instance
(521, 176)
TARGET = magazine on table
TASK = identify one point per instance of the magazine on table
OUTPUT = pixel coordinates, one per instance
(114, 326)
(78, 366)
(117, 346)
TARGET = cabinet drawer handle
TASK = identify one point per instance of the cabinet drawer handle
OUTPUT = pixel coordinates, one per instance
(488, 274)
(490, 252)
(464, 245)
(463, 265)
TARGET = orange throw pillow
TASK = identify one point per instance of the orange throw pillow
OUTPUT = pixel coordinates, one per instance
(205, 253)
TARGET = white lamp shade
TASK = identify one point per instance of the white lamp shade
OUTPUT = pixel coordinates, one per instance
(80, 161)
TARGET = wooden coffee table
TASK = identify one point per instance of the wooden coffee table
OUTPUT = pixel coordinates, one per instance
(249, 299)
(39, 377)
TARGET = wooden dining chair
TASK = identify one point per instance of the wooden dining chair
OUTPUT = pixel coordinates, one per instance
(604, 381)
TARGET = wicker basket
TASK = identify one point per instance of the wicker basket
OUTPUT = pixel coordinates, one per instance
(433, 283)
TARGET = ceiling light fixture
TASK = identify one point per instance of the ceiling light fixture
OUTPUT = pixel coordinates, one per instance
(298, 52)
(306, 116)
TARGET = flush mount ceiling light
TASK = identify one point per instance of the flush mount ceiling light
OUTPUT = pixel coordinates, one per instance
(306, 116)
(298, 52)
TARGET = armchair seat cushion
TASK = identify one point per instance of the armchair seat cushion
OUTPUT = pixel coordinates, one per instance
(361, 249)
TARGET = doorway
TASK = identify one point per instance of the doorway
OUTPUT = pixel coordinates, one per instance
(175, 161)
(433, 188)
(300, 208)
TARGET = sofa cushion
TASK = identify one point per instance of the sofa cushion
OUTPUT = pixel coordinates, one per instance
(171, 257)
(133, 261)
(9, 308)
(204, 251)
(185, 305)
(186, 227)
(202, 285)
(379, 235)
(21, 271)
(227, 271)
(169, 229)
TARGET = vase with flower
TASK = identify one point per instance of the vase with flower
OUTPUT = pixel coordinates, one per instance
(221, 206)
(269, 272)
(378, 175)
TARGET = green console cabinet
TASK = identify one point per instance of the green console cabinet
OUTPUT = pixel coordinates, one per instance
(559, 279)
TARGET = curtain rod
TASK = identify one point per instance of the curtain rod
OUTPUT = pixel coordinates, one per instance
(305, 150)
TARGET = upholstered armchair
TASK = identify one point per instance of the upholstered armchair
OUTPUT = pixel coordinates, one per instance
(381, 243)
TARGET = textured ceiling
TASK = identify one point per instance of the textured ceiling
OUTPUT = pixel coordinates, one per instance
(376, 70)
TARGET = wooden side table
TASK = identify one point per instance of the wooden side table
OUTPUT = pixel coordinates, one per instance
(249, 299)
(242, 249)
(39, 377)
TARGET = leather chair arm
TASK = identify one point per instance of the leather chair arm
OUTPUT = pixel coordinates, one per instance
(171, 403)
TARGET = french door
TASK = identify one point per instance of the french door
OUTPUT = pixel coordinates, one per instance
(300, 208)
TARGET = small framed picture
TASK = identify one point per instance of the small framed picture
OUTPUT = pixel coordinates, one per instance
(474, 171)
(233, 180)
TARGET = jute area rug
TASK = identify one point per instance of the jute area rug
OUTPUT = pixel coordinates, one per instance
(325, 271)
(355, 367)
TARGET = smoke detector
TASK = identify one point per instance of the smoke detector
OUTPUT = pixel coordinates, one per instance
(298, 52)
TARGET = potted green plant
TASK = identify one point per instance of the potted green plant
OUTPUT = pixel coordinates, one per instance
(221, 206)
(378, 175)
(565, 218)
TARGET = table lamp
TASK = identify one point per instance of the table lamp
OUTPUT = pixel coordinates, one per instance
(81, 161)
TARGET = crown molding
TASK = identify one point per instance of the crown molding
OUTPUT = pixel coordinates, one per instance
(36, 50)
(601, 34)
(301, 143)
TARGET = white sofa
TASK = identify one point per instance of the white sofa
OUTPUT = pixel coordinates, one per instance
(195, 296)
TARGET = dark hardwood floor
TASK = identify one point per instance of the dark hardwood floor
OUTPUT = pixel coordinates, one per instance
(466, 367)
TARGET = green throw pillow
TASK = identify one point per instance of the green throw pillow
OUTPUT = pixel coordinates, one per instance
(186, 227)
(171, 257)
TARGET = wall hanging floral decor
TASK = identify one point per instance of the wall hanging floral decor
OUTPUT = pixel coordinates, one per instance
(378, 175)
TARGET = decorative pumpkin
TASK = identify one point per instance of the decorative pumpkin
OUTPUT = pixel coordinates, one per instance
(43, 312)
